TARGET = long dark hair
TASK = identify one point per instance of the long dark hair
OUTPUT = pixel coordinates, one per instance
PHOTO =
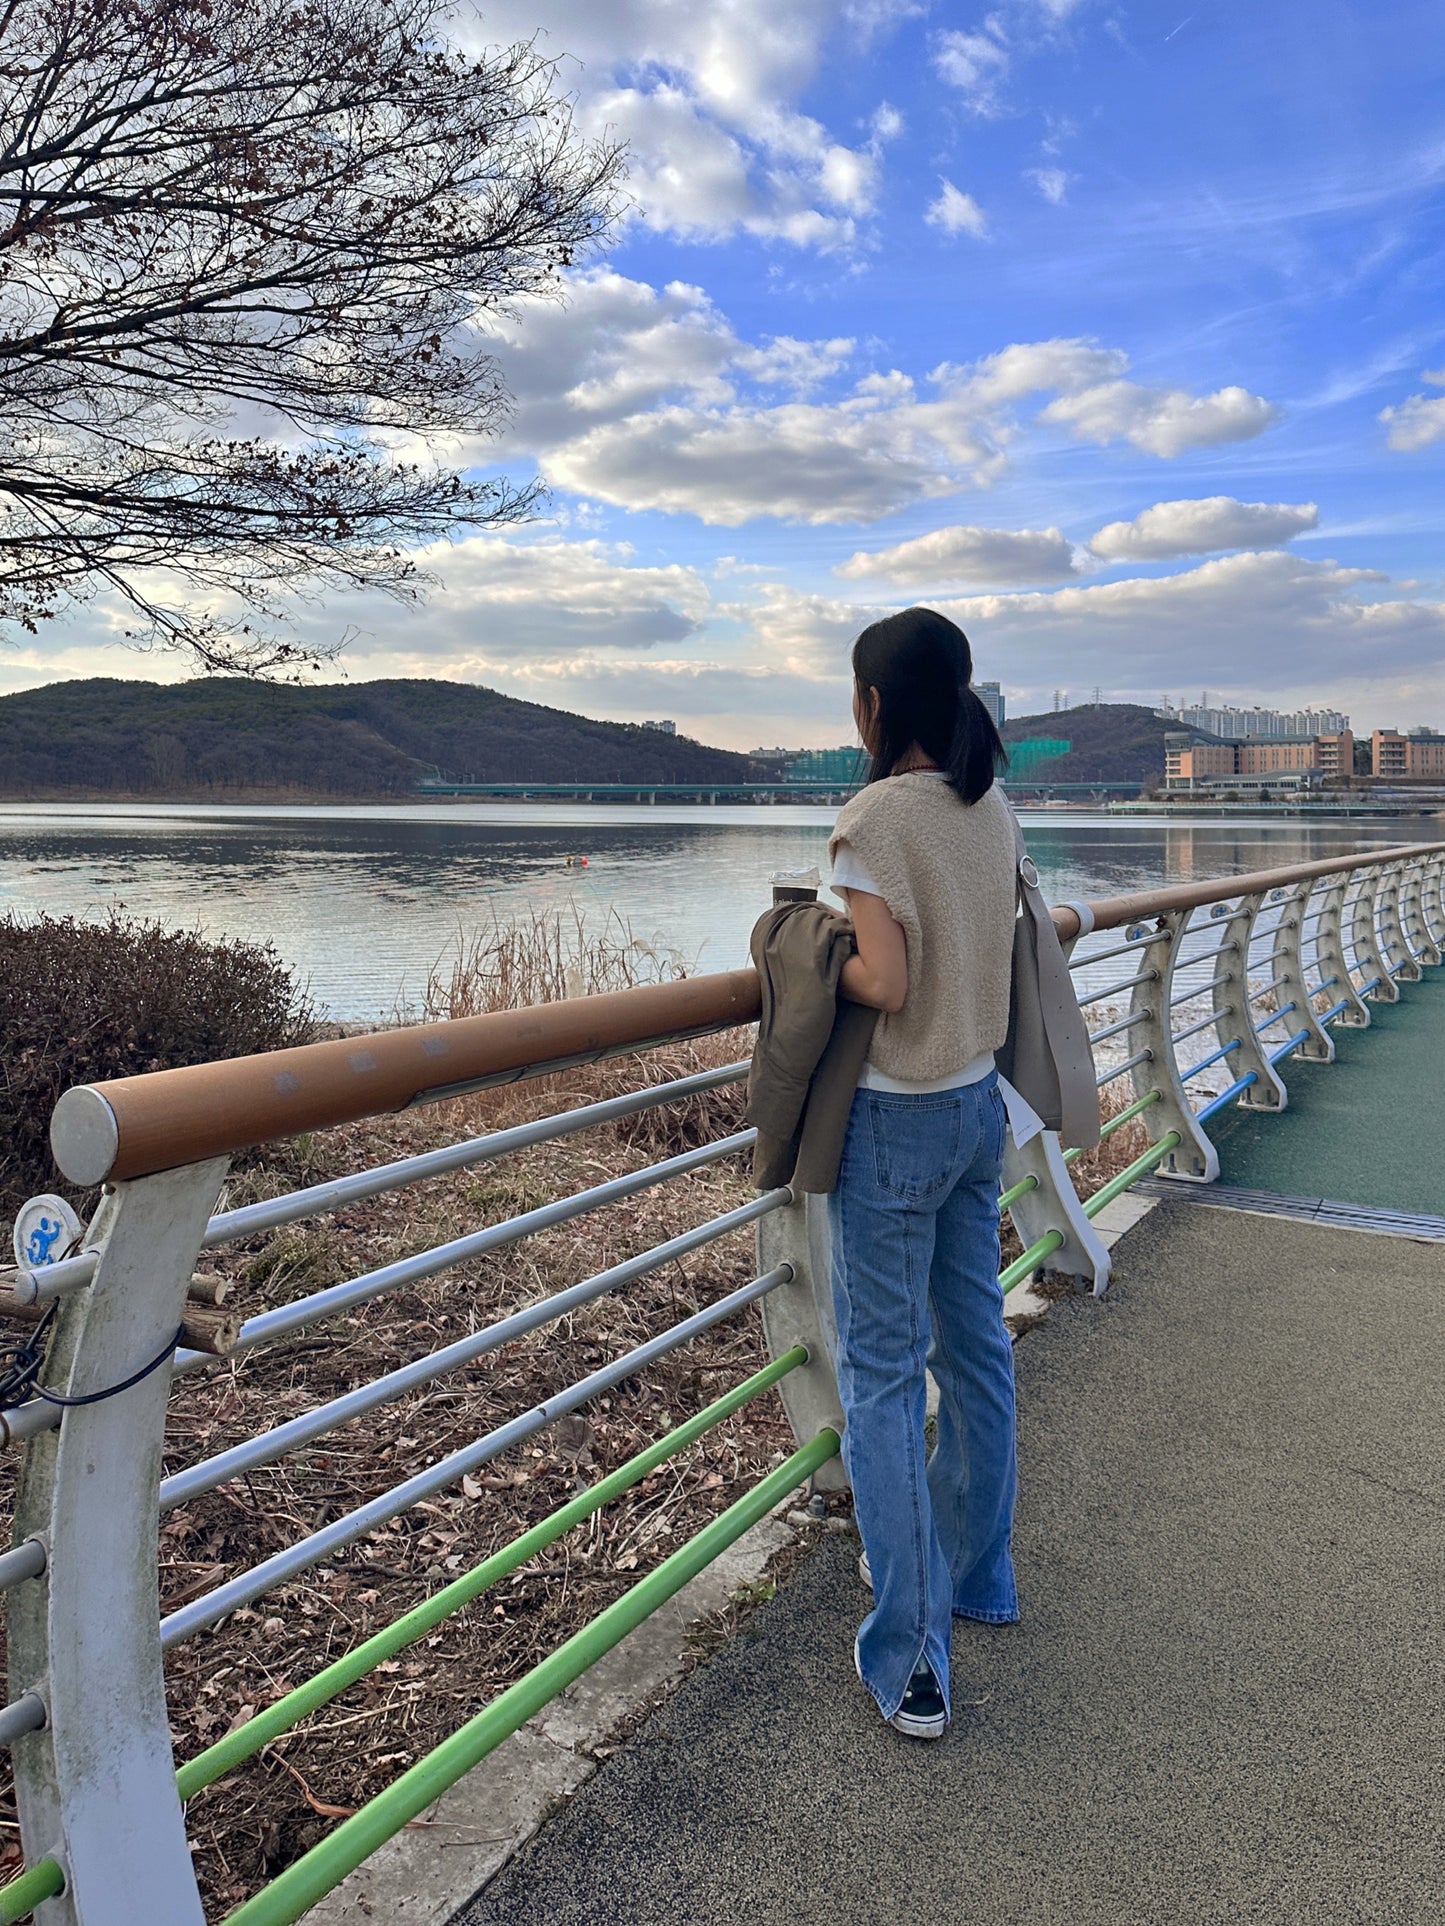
(922, 667)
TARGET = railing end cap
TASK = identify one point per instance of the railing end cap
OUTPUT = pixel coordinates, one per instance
(84, 1135)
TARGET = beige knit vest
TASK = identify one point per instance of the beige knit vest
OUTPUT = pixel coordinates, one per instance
(945, 868)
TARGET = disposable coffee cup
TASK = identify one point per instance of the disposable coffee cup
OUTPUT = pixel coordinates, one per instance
(796, 885)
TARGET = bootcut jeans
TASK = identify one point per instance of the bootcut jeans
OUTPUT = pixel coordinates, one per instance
(915, 1232)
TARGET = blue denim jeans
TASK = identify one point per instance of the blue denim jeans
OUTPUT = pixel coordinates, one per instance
(915, 1227)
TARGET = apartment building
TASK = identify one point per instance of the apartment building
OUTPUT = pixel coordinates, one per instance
(1394, 754)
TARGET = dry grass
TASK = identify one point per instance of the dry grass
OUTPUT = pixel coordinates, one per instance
(262, 1816)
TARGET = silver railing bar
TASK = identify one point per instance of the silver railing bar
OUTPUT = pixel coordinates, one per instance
(443, 1257)
(309, 1551)
(1077, 961)
(273, 1444)
(25, 1714)
(248, 1219)
(1118, 989)
(1140, 1056)
(22, 1562)
(1178, 1036)
(1124, 1023)
(1203, 989)
(1268, 989)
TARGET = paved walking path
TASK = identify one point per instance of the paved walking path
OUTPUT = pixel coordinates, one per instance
(1224, 1703)
(1364, 1129)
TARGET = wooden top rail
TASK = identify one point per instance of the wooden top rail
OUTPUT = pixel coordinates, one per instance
(135, 1126)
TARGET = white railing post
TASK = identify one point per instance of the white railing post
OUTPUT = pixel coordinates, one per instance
(1288, 973)
(1195, 1159)
(1432, 904)
(96, 1785)
(1331, 959)
(1236, 1017)
(801, 1312)
(1393, 917)
(1370, 960)
(1052, 1204)
(1430, 908)
(1418, 940)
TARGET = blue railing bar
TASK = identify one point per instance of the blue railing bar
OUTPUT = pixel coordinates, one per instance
(1294, 1043)
(1278, 1017)
(1139, 1056)
(460, 1250)
(1124, 1023)
(1335, 1008)
(1394, 969)
(1117, 989)
(1236, 1089)
(26, 1560)
(1268, 989)
(1077, 962)
(1214, 1057)
(1204, 1023)
(251, 1218)
(1203, 990)
(1373, 984)
(25, 1714)
(1328, 984)
(298, 1431)
(309, 1551)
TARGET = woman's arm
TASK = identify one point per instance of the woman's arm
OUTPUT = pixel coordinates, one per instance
(878, 974)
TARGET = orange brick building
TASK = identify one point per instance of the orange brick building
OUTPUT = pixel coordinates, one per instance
(1421, 753)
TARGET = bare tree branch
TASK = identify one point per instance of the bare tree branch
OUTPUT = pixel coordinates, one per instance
(241, 243)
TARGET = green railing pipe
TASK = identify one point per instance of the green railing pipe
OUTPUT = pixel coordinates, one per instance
(1031, 1259)
(290, 1894)
(1015, 1191)
(1118, 1123)
(39, 1882)
(248, 1739)
(1155, 1154)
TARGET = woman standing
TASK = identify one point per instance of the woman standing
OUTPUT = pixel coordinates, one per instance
(925, 856)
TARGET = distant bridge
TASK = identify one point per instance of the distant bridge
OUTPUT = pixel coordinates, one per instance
(725, 792)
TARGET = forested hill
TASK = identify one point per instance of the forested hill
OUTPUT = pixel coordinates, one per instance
(1117, 742)
(225, 736)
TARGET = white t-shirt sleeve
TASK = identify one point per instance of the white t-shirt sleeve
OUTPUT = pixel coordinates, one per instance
(849, 873)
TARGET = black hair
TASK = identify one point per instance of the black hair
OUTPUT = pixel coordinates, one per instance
(922, 668)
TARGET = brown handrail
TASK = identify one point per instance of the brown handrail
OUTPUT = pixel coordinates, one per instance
(1111, 912)
(134, 1126)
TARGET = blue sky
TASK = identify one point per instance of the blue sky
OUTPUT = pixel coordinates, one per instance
(1108, 328)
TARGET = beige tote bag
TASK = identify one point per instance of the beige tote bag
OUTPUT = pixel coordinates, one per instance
(1047, 1056)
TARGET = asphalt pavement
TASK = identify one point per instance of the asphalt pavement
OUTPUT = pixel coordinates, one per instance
(1225, 1701)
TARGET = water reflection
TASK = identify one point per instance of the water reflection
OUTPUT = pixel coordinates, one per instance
(364, 900)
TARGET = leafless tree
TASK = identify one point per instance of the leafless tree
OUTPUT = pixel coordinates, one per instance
(245, 249)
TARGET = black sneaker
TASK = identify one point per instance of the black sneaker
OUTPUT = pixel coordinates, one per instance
(922, 1714)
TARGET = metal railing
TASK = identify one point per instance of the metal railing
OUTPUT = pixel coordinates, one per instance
(1231, 977)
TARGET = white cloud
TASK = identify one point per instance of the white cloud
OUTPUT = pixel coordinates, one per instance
(1162, 421)
(1199, 527)
(646, 398)
(1052, 182)
(1419, 420)
(707, 98)
(976, 64)
(1264, 622)
(799, 365)
(956, 212)
(499, 598)
(967, 554)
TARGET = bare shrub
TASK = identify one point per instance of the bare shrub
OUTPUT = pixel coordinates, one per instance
(84, 1001)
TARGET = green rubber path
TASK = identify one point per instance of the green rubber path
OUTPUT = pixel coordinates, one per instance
(1362, 1130)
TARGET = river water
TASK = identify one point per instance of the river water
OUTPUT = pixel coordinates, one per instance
(364, 902)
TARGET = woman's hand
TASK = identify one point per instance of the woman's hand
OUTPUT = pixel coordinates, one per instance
(878, 974)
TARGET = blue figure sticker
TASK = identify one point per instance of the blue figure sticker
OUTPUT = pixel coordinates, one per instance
(46, 1230)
